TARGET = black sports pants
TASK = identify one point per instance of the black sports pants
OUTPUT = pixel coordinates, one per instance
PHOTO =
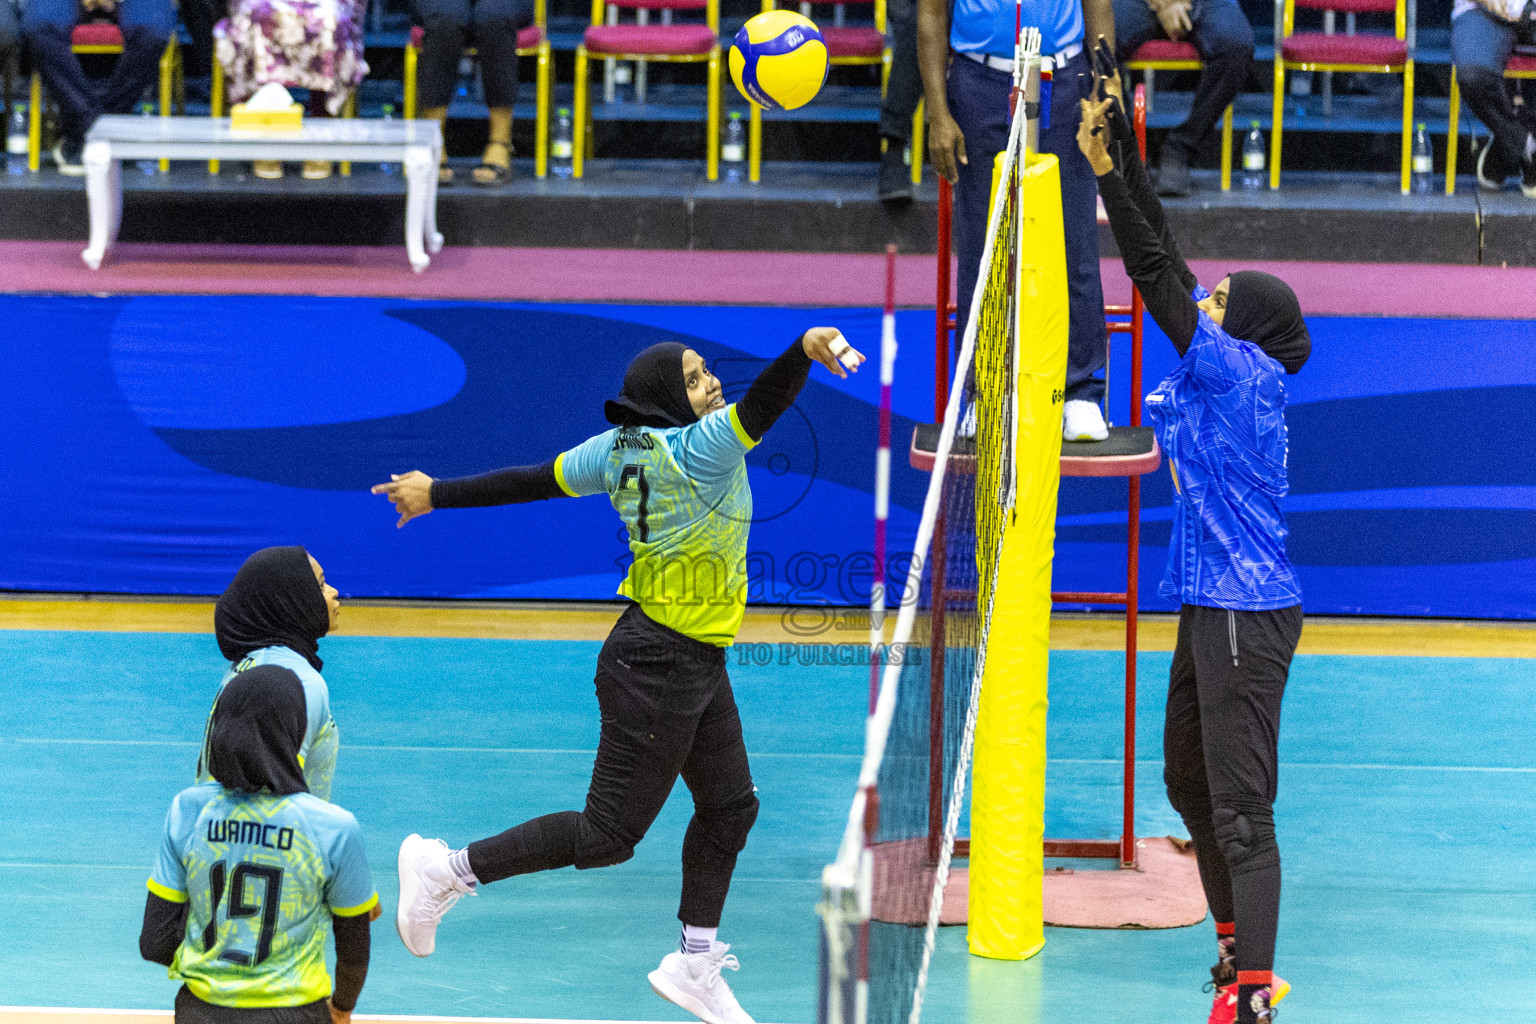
(192, 1010)
(667, 710)
(1220, 752)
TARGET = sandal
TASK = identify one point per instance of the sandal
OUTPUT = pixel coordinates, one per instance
(491, 173)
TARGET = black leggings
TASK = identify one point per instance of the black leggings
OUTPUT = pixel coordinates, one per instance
(449, 24)
(1220, 761)
(192, 1010)
(667, 710)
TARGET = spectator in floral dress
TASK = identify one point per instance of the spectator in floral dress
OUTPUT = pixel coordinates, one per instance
(307, 44)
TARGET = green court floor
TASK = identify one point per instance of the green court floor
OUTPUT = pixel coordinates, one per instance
(1407, 821)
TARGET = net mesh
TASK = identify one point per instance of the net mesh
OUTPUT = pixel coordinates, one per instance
(932, 682)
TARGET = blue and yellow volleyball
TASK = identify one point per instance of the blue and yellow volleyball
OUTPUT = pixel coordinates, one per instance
(779, 60)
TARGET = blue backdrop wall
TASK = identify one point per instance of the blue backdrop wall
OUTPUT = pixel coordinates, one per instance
(151, 443)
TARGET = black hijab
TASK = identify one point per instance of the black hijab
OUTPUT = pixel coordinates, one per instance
(256, 730)
(273, 601)
(1264, 310)
(654, 392)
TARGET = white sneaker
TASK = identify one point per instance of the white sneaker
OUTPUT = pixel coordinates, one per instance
(692, 981)
(428, 889)
(1082, 421)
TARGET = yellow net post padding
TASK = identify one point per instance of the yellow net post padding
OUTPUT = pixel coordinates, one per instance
(1021, 363)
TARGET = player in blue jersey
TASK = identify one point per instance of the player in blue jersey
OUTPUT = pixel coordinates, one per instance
(274, 612)
(252, 869)
(1220, 419)
(674, 469)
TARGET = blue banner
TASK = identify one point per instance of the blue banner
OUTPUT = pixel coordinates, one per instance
(153, 442)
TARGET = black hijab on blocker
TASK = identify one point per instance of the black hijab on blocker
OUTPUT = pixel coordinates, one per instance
(273, 601)
(654, 392)
(1263, 309)
(256, 731)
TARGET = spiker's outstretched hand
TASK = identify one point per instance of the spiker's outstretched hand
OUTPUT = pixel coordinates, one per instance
(411, 494)
(827, 346)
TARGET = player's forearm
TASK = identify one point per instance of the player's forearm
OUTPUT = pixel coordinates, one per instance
(352, 951)
(933, 52)
(1151, 269)
(164, 924)
(513, 486)
(1099, 20)
(774, 391)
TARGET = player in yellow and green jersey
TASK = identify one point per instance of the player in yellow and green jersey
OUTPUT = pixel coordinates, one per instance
(674, 469)
(251, 871)
(274, 612)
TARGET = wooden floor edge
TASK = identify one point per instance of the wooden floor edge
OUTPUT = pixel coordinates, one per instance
(86, 1015)
(795, 625)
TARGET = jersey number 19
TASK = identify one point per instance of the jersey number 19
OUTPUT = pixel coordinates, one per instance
(239, 881)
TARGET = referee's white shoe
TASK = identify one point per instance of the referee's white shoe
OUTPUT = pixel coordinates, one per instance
(428, 889)
(692, 981)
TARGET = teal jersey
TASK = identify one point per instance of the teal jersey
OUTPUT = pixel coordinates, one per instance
(317, 754)
(262, 875)
(684, 496)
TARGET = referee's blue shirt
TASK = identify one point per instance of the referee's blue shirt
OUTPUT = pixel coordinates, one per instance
(986, 26)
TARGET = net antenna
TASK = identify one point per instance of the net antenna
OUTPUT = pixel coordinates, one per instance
(848, 883)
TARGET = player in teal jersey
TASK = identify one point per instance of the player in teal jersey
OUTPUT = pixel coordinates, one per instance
(674, 469)
(250, 870)
(274, 612)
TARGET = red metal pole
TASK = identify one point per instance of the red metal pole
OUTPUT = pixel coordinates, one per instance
(941, 323)
(937, 575)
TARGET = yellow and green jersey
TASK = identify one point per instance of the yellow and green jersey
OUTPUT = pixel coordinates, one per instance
(262, 876)
(684, 496)
(317, 754)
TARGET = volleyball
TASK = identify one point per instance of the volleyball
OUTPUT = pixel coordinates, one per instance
(779, 60)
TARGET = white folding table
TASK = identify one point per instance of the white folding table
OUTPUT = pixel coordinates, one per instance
(117, 137)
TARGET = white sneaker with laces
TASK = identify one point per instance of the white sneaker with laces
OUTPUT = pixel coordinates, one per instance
(692, 981)
(428, 889)
(1082, 421)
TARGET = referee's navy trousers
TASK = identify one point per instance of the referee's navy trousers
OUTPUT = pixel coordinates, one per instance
(978, 101)
(667, 710)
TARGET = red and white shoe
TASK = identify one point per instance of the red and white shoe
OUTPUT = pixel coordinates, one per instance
(1224, 1005)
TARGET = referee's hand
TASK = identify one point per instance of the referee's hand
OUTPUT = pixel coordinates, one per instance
(411, 494)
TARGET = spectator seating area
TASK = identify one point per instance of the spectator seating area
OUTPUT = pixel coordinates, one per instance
(1318, 51)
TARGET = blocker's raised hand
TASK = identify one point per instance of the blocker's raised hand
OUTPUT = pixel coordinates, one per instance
(411, 494)
(827, 346)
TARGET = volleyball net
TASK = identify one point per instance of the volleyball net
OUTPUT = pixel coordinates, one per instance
(971, 633)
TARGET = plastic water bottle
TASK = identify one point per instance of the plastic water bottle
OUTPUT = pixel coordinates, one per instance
(1253, 158)
(734, 149)
(1423, 161)
(389, 115)
(16, 141)
(147, 166)
(563, 147)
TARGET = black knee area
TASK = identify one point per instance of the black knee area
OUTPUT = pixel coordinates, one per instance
(1231, 52)
(1193, 804)
(1479, 79)
(495, 26)
(1245, 831)
(728, 826)
(597, 849)
(443, 22)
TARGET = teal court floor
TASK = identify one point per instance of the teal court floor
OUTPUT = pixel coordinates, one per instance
(1407, 819)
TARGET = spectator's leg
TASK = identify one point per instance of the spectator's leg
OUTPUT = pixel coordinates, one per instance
(10, 35)
(147, 26)
(1134, 24)
(978, 101)
(199, 16)
(1089, 341)
(47, 25)
(446, 23)
(496, 24)
(902, 92)
(1480, 46)
(1225, 41)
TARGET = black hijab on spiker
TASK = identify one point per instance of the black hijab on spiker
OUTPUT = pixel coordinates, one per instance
(1263, 309)
(256, 730)
(273, 601)
(654, 392)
